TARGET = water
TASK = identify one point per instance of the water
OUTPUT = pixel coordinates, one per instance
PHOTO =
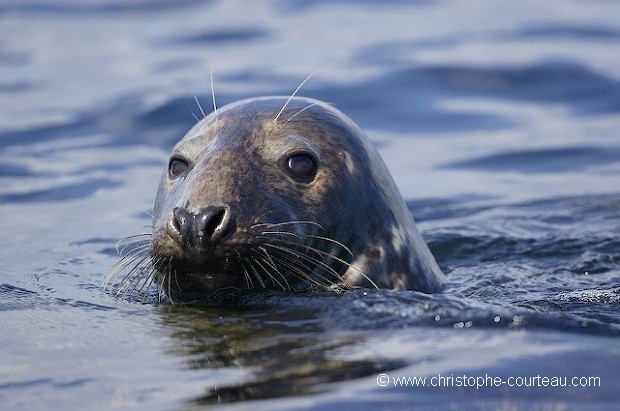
(498, 120)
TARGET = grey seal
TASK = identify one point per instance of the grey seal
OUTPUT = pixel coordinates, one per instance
(280, 193)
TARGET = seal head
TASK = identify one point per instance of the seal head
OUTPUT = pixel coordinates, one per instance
(256, 196)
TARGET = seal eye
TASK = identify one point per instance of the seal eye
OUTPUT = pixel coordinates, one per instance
(177, 167)
(301, 166)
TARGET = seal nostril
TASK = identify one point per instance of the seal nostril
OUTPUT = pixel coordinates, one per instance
(209, 226)
(212, 223)
(182, 221)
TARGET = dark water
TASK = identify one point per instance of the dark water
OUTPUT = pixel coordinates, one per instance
(499, 121)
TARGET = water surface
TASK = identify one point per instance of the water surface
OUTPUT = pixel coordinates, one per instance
(499, 122)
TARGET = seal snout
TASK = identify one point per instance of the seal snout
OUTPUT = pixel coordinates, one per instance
(206, 228)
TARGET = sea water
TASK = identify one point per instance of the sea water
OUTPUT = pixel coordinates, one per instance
(498, 120)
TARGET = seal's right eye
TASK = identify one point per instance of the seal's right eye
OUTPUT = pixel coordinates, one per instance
(301, 166)
(177, 167)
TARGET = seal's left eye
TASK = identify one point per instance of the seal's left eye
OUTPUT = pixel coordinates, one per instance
(177, 167)
(301, 166)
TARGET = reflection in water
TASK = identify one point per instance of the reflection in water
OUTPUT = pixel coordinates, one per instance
(288, 348)
(499, 121)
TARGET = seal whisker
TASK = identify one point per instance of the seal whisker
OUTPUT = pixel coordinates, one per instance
(212, 89)
(316, 262)
(148, 213)
(165, 278)
(301, 111)
(136, 276)
(256, 273)
(246, 276)
(132, 242)
(131, 278)
(291, 256)
(273, 278)
(136, 244)
(266, 257)
(129, 259)
(136, 257)
(163, 273)
(300, 273)
(200, 107)
(262, 217)
(331, 255)
(331, 240)
(148, 281)
(269, 262)
(300, 270)
(139, 285)
(266, 253)
(300, 222)
(135, 272)
(266, 234)
(317, 250)
(131, 237)
(275, 120)
(173, 273)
